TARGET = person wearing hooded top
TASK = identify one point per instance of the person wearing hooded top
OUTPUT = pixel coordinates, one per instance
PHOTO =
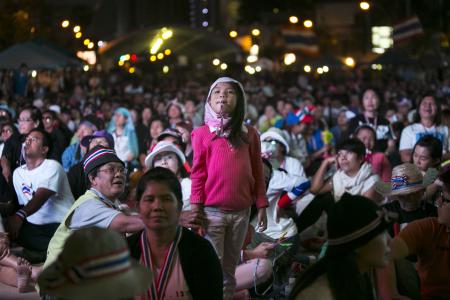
(227, 174)
(121, 128)
(99, 206)
(275, 147)
(358, 243)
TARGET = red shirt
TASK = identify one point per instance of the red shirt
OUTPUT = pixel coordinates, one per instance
(226, 177)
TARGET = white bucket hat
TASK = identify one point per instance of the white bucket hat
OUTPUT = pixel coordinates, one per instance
(164, 146)
(274, 135)
(95, 264)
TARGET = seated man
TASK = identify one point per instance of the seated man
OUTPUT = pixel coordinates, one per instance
(429, 239)
(99, 205)
(43, 190)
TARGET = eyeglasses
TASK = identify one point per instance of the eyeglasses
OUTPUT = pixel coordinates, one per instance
(113, 170)
(24, 120)
(441, 200)
(31, 139)
(7, 130)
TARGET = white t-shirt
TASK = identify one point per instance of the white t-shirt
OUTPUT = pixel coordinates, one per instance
(279, 183)
(121, 146)
(186, 191)
(51, 176)
(293, 166)
(414, 132)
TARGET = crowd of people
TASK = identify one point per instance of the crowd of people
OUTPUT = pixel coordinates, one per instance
(227, 188)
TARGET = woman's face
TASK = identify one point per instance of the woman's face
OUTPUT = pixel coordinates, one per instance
(158, 207)
(422, 158)
(366, 136)
(370, 101)
(374, 254)
(120, 119)
(349, 161)
(146, 114)
(269, 111)
(428, 108)
(168, 160)
(7, 132)
(174, 112)
(26, 123)
(156, 128)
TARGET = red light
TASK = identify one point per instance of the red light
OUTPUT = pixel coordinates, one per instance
(133, 57)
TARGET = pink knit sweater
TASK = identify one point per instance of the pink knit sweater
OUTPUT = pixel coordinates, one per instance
(228, 178)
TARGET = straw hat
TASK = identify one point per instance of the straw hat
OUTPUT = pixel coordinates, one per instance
(406, 179)
(164, 146)
(95, 264)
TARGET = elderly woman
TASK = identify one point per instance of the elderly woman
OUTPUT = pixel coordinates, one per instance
(181, 261)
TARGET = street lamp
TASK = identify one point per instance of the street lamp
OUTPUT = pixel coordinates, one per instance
(308, 23)
(256, 32)
(76, 29)
(364, 5)
(349, 61)
(233, 33)
(293, 19)
(65, 24)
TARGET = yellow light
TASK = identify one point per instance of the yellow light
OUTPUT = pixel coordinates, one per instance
(160, 56)
(86, 68)
(364, 5)
(167, 52)
(155, 47)
(65, 23)
(165, 69)
(131, 70)
(252, 58)
(307, 68)
(258, 69)
(289, 58)
(233, 33)
(33, 73)
(216, 61)
(90, 45)
(349, 61)
(120, 63)
(293, 19)
(78, 35)
(223, 66)
(320, 70)
(86, 42)
(167, 34)
(249, 69)
(254, 50)
(325, 69)
(76, 29)
(153, 58)
(256, 32)
(308, 23)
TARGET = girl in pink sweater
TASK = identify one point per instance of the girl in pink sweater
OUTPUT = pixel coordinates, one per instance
(227, 174)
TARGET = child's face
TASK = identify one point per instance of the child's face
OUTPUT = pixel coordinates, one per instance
(223, 98)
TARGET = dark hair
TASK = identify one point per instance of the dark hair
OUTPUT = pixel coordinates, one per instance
(433, 145)
(46, 139)
(345, 280)
(353, 145)
(437, 118)
(160, 175)
(35, 114)
(235, 125)
(376, 92)
(367, 127)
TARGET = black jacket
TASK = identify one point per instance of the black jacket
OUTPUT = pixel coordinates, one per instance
(200, 264)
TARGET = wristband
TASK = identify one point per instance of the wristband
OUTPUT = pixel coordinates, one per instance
(22, 214)
(285, 201)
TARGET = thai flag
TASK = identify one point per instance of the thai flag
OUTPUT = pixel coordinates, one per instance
(406, 29)
(27, 191)
(302, 40)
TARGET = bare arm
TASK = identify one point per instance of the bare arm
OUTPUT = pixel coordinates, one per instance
(39, 198)
(126, 224)
(318, 183)
(373, 195)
